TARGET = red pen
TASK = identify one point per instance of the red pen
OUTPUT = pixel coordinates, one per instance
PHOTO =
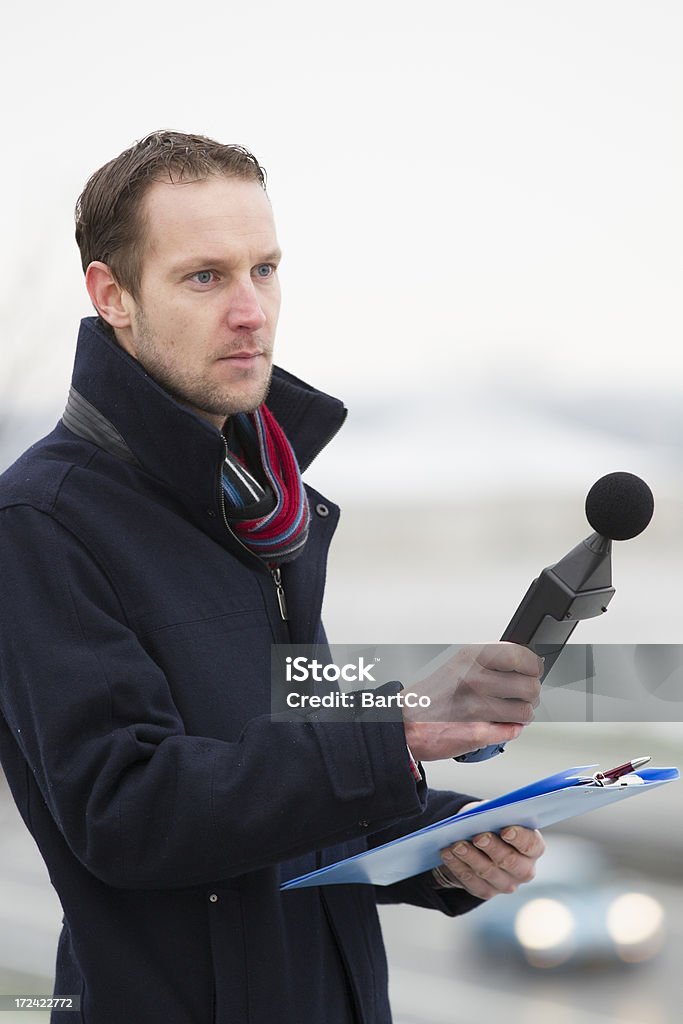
(604, 778)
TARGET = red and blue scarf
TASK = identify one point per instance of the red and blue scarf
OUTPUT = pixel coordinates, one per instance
(265, 500)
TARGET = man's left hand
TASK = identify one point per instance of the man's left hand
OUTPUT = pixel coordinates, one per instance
(489, 864)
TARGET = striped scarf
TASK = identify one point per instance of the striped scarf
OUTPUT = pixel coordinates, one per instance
(265, 504)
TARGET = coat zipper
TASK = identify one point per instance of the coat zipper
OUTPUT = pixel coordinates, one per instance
(280, 591)
(275, 573)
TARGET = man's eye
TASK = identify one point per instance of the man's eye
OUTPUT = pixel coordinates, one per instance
(265, 270)
(203, 276)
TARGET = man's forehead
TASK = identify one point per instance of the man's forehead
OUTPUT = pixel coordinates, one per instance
(213, 210)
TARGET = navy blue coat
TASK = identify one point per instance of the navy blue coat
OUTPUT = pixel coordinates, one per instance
(135, 734)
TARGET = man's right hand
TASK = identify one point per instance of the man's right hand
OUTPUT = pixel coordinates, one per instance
(485, 694)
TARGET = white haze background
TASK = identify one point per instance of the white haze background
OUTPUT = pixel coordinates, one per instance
(480, 209)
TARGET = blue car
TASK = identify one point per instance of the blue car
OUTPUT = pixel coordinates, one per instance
(578, 911)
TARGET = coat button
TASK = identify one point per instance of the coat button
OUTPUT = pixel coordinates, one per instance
(322, 510)
(213, 898)
(364, 823)
(211, 513)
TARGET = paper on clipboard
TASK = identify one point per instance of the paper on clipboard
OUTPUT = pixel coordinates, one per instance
(548, 800)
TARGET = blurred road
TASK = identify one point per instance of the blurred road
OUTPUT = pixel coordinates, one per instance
(438, 977)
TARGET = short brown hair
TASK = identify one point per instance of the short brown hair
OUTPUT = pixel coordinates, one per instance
(109, 225)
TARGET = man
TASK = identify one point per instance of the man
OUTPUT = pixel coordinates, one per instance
(153, 547)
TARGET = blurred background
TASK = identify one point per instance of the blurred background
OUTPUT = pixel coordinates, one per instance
(480, 209)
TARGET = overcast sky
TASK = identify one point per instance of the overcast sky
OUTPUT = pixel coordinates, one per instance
(481, 194)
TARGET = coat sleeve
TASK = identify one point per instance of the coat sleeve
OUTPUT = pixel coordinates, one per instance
(139, 802)
(421, 890)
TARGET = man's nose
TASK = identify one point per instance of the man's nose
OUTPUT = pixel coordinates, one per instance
(244, 310)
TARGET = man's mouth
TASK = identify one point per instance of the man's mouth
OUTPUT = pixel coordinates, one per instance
(242, 356)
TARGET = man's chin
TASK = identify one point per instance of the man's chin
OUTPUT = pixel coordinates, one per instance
(247, 400)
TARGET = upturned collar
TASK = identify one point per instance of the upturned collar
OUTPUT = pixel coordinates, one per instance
(115, 403)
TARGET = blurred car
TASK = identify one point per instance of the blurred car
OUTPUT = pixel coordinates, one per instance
(579, 911)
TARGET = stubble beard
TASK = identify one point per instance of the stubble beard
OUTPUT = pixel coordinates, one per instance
(193, 391)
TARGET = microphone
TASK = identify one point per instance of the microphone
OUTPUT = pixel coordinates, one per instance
(618, 506)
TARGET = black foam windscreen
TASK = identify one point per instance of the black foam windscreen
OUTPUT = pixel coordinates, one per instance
(619, 506)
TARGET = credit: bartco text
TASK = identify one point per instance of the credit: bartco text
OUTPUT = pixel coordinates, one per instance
(362, 699)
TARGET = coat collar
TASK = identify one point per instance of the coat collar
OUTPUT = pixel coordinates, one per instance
(115, 403)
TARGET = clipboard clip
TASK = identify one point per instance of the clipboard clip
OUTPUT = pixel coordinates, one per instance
(621, 772)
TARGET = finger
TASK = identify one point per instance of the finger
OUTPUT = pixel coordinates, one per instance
(509, 860)
(466, 878)
(491, 702)
(507, 709)
(509, 657)
(507, 684)
(496, 862)
(474, 869)
(528, 841)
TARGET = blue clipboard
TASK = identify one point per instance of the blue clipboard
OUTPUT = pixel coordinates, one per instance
(554, 798)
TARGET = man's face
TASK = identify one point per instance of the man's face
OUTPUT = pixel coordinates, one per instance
(204, 322)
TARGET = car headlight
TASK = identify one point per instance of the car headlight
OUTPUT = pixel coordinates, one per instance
(634, 921)
(544, 928)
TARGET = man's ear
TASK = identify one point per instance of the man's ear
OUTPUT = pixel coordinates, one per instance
(108, 297)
